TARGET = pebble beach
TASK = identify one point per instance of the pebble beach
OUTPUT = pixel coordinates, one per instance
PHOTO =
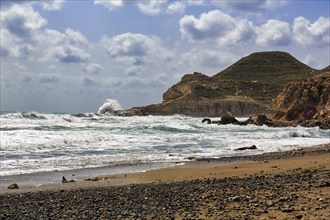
(285, 185)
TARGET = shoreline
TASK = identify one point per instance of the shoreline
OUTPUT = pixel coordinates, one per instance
(284, 185)
(167, 172)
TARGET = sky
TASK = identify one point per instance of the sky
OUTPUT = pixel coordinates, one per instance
(71, 55)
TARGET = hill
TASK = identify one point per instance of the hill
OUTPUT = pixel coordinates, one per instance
(262, 75)
(245, 88)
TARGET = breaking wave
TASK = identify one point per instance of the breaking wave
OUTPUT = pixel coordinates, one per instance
(109, 106)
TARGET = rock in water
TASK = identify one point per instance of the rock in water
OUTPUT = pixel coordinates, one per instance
(228, 119)
(253, 147)
(64, 180)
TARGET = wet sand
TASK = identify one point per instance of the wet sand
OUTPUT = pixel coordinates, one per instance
(293, 185)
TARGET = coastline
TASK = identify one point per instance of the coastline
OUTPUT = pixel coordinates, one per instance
(292, 184)
(197, 168)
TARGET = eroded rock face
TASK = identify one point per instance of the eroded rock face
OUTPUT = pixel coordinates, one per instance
(305, 102)
(245, 88)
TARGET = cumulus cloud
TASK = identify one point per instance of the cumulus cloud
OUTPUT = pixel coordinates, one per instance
(307, 33)
(135, 49)
(311, 61)
(12, 45)
(110, 4)
(195, 2)
(48, 78)
(87, 81)
(216, 25)
(70, 54)
(75, 36)
(151, 7)
(176, 8)
(66, 47)
(93, 68)
(208, 58)
(21, 20)
(22, 32)
(250, 5)
(273, 33)
(51, 5)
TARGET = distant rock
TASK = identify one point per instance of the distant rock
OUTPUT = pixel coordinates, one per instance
(64, 180)
(253, 147)
(13, 186)
(228, 119)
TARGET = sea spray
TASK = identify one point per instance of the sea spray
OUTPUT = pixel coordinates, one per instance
(109, 106)
(64, 141)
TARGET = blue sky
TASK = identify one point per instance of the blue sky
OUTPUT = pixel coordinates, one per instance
(70, 56)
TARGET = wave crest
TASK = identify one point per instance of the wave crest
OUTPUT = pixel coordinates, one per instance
(109, 106)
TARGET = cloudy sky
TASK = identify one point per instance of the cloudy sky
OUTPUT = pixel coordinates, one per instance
(70, 56)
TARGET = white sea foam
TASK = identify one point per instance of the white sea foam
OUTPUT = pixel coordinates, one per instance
(70, 141)
(109, 106)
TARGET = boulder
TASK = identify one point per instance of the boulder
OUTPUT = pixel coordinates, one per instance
(228, 119)
(13, 186)
(253, 147)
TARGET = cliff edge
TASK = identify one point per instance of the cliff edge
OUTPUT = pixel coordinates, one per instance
(245, 88)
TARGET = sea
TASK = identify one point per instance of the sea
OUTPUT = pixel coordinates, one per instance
(33, 142)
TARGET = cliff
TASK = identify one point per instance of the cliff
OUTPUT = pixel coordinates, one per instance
(305, 102)
(245, 88)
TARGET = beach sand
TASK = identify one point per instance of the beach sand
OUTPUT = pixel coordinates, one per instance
(284, 185)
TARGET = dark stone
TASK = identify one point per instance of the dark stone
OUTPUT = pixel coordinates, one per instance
(253, 147)
(207, 120)
(13, 186)
(228, 119)
(64, 180)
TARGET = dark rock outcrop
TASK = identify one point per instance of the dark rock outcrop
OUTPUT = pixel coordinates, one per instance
(245, 88)
(305, 102)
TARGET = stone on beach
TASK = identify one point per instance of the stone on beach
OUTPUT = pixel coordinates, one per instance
(13, 186)
(253, 147)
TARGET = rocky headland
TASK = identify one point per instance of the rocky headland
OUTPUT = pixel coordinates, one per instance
(305, 102)
(245, 88)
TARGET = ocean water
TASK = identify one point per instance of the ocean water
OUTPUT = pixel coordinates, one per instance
(36, 142)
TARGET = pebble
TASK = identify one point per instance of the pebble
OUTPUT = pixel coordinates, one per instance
(263, 197)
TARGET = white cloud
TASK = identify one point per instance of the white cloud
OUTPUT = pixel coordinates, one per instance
(208, 58)
(93, 68)
(307, 33)
(48, 78)
(110, 4)
(195, 2)
(135, 49)
(216, 25)
(52, 5)
(176, 8)
(250, 5)
(65, 47)
(75, 36)
(70, 54)
(151, 7)
(87, 81)
(273, 33)
(311, 61)
(21, 20)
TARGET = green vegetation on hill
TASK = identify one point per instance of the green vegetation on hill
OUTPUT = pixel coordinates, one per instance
(262, 75)
(244, 88)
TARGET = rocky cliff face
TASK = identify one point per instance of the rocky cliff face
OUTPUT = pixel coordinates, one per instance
(245, 88)
(305, 102)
